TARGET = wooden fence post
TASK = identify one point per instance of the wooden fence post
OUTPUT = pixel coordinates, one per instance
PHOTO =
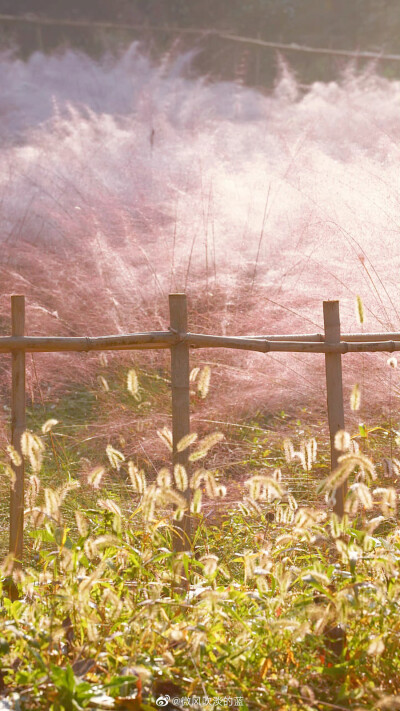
(334, 392)
(180, 372)
(18, 426)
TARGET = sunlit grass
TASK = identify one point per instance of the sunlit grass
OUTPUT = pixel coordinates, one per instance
(277, 603)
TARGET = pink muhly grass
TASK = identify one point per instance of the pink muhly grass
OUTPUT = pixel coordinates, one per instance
(121, 180)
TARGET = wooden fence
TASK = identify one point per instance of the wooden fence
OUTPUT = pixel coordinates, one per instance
(179, 340)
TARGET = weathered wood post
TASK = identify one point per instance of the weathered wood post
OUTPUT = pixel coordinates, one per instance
(334, 392)
(18, 426)
(180, 372)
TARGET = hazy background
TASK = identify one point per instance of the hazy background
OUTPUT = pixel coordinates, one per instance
(341, 24)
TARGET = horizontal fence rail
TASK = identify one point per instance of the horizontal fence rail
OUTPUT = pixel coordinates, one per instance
(166, 339)
(179, 340)
(39, 344)
(319, 337)
(287, 346)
